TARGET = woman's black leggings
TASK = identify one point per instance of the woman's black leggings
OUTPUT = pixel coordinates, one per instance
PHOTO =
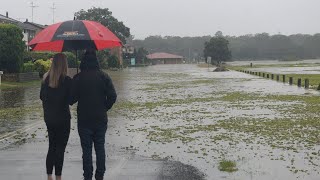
(58, 139)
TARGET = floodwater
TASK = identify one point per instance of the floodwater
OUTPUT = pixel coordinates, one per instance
(177, 112)
(19, 108)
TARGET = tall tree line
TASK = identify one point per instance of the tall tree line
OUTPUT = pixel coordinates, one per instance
(247, 47)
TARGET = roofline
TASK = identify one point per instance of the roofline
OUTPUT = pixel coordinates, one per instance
(35, 24)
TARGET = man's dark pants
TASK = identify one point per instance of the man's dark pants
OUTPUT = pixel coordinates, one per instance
(93, 136)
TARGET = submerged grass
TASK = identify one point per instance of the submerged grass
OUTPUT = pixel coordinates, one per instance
(17, 112)
(227, 166)
(6, 85)
(177, 85)
(200, 120)
(298, 128)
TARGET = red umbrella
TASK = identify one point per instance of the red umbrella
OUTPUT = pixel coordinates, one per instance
(74, 35)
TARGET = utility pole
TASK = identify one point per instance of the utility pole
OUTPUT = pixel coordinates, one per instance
(53, 8)
(32, 7)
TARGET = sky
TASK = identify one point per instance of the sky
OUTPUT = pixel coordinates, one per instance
(184, 17)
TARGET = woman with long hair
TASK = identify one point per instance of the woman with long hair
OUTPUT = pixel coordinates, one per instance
(56, 95)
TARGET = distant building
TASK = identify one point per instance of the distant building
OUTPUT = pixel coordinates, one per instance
(165, 58)
(127, 48)
(36, 26)
(29, 30)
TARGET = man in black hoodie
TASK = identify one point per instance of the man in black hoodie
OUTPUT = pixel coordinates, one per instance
(95, 94)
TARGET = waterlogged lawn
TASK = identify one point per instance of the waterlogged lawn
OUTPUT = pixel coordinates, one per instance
(314, 79)
(205, 121)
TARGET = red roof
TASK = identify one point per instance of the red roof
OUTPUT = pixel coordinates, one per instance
(163, 56)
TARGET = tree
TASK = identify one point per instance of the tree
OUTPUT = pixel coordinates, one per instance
(217, 48)
(113, 62)
(141, 55)
(104, 16)
(245, 47)
(219, 34)
(11, 48)
(103, 57)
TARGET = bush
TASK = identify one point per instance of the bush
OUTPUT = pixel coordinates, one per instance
(113, 62)
(71, 57)
(28, 67)
(42, 66)
(11, 48)
(103, 58)
(33, 56)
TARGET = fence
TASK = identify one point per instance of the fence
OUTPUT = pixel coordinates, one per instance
(268, 75)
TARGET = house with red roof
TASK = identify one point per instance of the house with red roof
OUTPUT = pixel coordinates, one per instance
(165, 58)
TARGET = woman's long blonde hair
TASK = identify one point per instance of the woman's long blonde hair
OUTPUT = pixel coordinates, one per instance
(58, 69)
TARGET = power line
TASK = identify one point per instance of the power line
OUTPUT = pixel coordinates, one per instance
(53, 8)
(32, 7)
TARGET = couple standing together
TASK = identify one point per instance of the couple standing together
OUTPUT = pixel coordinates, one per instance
(95, 94)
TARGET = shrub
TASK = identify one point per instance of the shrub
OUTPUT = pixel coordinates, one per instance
(11, 48)
(42, 66)
(33, 56)
(71, 57)
(103, 58)
(28, 67)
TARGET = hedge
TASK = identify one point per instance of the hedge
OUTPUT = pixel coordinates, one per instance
(33, 56)
(11, 48)
(42, 66)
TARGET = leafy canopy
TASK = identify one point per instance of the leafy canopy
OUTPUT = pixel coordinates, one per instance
(217, 48)
(104, 16)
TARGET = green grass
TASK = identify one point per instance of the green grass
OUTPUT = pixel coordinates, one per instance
(227, 166)
(6, 85)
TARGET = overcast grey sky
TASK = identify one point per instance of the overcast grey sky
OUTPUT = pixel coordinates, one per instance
(186, 17)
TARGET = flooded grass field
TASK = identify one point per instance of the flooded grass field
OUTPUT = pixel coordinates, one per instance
(228, 125)
(270, 130)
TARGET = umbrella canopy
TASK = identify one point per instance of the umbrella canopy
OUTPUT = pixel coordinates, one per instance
(74, 35)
